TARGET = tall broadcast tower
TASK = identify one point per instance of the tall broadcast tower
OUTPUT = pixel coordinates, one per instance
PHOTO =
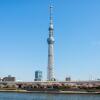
(50, 41)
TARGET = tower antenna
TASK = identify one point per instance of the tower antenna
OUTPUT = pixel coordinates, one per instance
(51, 12)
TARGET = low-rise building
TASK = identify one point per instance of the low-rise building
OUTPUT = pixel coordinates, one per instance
(9, 78)
(68, 79)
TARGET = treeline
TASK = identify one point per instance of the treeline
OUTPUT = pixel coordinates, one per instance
(50, 87)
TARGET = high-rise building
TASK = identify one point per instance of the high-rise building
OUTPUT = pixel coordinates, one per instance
(38, 76)
(50, 40)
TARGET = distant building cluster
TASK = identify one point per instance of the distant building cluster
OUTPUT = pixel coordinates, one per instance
(9, 78)
(39, 76)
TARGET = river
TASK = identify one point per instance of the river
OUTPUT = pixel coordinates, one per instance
(42, 96)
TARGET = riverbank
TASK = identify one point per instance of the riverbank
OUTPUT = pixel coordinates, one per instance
(51, 92)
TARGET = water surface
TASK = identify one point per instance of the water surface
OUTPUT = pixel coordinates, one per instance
(42, 96)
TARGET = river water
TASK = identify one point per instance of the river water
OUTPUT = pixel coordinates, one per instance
(40, 96)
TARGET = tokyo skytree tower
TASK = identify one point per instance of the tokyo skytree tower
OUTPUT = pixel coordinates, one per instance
(50, 41)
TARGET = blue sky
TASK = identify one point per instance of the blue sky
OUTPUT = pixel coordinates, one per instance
(24, 30)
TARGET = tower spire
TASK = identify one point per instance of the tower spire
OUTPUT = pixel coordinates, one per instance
(51, 28)
(50, 40)
(51, 12)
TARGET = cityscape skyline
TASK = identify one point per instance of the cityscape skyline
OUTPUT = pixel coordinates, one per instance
(24, 30)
